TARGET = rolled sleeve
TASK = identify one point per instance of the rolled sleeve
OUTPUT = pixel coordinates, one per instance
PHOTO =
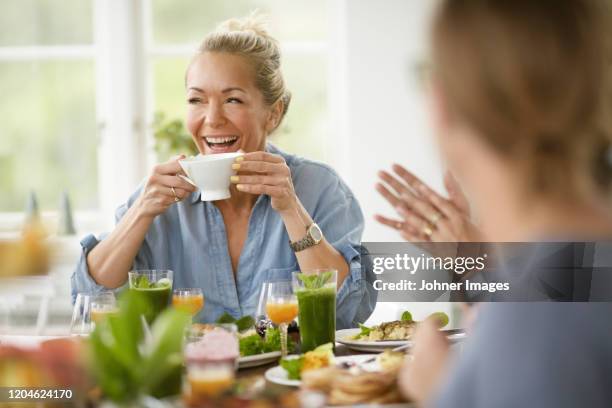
(81, 281)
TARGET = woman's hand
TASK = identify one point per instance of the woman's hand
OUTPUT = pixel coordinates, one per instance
(425, 215)
(421, 375)
(163, 188)
(266, 173)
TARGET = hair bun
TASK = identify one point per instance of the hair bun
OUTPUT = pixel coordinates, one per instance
(254, 23)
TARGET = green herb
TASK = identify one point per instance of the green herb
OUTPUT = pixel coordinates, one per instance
(293, 367)
(407, 317)
(127, 366)
(142, 282)
(315, 281)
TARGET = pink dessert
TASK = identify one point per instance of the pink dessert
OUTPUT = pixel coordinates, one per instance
(217, 345)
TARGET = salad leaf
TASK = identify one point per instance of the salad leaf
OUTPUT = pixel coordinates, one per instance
(245, 323)
(254, 344)
(251, 345)
(293, 367)
(365, 330)
(407, 317)
(226, 318)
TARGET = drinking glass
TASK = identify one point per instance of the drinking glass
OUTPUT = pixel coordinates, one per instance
(316, 297)
(155, 286)
(80, 325)
(211, 359)
(191, 300)
(103, 304)
(281, 308)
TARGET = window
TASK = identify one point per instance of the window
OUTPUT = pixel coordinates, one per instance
(80, 79)
(300, 26)
(48, 127)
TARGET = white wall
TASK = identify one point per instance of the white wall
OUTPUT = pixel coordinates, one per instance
(385, 114)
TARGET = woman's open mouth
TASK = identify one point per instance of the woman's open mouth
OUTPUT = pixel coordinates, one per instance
(222, 144)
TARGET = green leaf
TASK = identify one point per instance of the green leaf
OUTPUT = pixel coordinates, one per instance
(251, 345)
(407, 317)
(226, 318)
(315, 281)
(245, 323)
(165, 357)
(365, 331)
(293, 367)
(124, 367)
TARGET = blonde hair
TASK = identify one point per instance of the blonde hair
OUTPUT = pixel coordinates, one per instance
(249, 38)
(533, 77)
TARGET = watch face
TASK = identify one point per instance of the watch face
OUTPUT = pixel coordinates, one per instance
(315, 232)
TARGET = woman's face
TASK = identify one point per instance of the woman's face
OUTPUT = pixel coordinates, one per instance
(226, 112)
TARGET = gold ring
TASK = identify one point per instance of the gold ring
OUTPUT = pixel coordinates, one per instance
(427, 231)
(434, 219)
(176, 199)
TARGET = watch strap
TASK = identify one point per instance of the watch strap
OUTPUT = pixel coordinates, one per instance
(304, 243)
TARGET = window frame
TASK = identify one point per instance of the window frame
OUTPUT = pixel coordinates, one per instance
(123, 53)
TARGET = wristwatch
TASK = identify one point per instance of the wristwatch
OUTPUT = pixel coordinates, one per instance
(312, 238)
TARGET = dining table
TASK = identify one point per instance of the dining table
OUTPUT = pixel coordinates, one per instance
(252, 375)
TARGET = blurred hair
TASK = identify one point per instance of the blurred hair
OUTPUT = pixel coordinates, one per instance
(249, 38)
(532, 78)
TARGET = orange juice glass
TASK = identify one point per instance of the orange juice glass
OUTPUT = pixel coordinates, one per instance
(103, 304)
(190, 300)
(282, 312)
(281, 308)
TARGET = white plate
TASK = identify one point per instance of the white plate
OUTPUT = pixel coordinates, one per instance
(278, 375)
(346, 337)
(258, 359)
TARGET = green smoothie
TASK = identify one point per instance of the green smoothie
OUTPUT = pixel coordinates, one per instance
(317, 316)
(157, 294)
(157, 298)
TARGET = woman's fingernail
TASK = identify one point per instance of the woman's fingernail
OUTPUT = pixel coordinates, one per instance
(234, 179)
(236, 166)
(239, 159)
(239, 186)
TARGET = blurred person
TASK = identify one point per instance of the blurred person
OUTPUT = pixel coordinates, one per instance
(236, 97)
(521, 103)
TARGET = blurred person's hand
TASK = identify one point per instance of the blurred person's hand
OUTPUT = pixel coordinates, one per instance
(164, 187)
(423, 371)
(425, 215)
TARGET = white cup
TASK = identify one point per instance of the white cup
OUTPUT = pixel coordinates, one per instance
(211, 174)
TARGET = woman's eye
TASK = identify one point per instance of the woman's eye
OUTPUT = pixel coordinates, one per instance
(233, 100)
(193, 101)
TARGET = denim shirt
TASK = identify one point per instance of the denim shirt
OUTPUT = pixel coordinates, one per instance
(190, 239)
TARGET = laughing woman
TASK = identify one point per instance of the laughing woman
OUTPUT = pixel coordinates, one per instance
(236, 97)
